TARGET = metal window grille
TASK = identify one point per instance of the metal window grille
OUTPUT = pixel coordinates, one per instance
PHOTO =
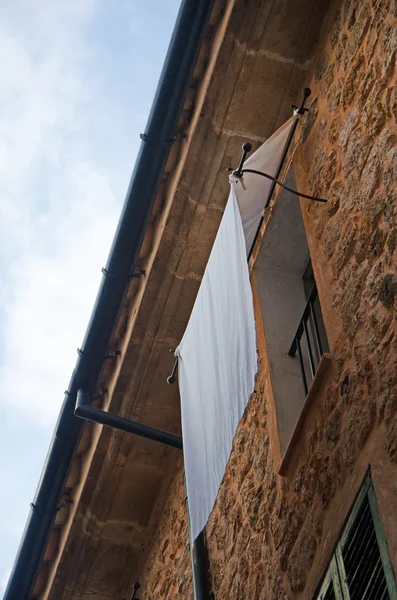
(310, 341)
(360, 568)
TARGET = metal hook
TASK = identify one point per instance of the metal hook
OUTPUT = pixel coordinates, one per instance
(172, 378)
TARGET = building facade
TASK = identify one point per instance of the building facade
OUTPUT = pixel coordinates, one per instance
(280, 514)
(301, 457)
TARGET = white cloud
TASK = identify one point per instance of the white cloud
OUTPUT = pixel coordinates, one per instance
(58, 209)
(76, 81)
(53, 288)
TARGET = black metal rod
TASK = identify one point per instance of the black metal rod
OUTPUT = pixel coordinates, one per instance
(198, 555)
(302, 366)
(84, 410)
(309, 349)
(246, 147)
(137, 586)
(316, 330)
(300, 111)
(280, 183)
(305, 316)
(153, 153)
(200, 571)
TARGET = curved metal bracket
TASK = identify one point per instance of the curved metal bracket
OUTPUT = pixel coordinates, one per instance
(246, 147)
(282, 185)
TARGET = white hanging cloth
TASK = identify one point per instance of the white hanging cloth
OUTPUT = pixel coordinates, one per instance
(252, 191)
(217, 355)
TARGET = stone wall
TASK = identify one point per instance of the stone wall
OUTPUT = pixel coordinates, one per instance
(271, 536)
(168, 572)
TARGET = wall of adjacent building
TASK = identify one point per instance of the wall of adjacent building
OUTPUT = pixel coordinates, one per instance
(272, 536)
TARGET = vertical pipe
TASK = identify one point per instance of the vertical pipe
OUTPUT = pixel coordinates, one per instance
(199, 566)
(302, 366)
(198, 555)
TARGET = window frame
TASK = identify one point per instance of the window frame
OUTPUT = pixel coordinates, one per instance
(336, 574)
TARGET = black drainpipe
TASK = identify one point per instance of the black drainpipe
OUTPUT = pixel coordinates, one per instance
(85, 410)
(156, 143)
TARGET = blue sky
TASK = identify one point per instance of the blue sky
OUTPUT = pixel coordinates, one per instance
(77, 78)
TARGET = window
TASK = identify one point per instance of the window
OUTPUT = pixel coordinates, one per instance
(360, 568)
(290, 308)
(310, 339)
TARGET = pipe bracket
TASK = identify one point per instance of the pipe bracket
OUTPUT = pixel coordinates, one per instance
(179, 136)
(133, 275)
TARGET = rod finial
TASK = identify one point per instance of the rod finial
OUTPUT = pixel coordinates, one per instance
(307, 92)
(246, 147)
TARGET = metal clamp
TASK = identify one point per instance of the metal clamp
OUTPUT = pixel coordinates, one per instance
(138, 273)
(179, 136)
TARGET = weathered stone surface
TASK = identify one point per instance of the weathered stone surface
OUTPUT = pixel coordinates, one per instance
(285, 526)
(336, 30)
(390, 403)
(332, 429)
(357, 34)
(327, 78)
(334, 131)
(373, 283)
(347, 126)
(326, 485)
(391, 441)
(333, 203)
(317, 516)
(257, 581)
(331, 236)
(255, 549)
(374, 113)
(321, 65)
(333, 96)
(296, 576)
(377, 243)
(307, 548)
(353, 80)
(388, 290)
(357, 152)
(350, 448)
(351, 302)
(379, 322)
